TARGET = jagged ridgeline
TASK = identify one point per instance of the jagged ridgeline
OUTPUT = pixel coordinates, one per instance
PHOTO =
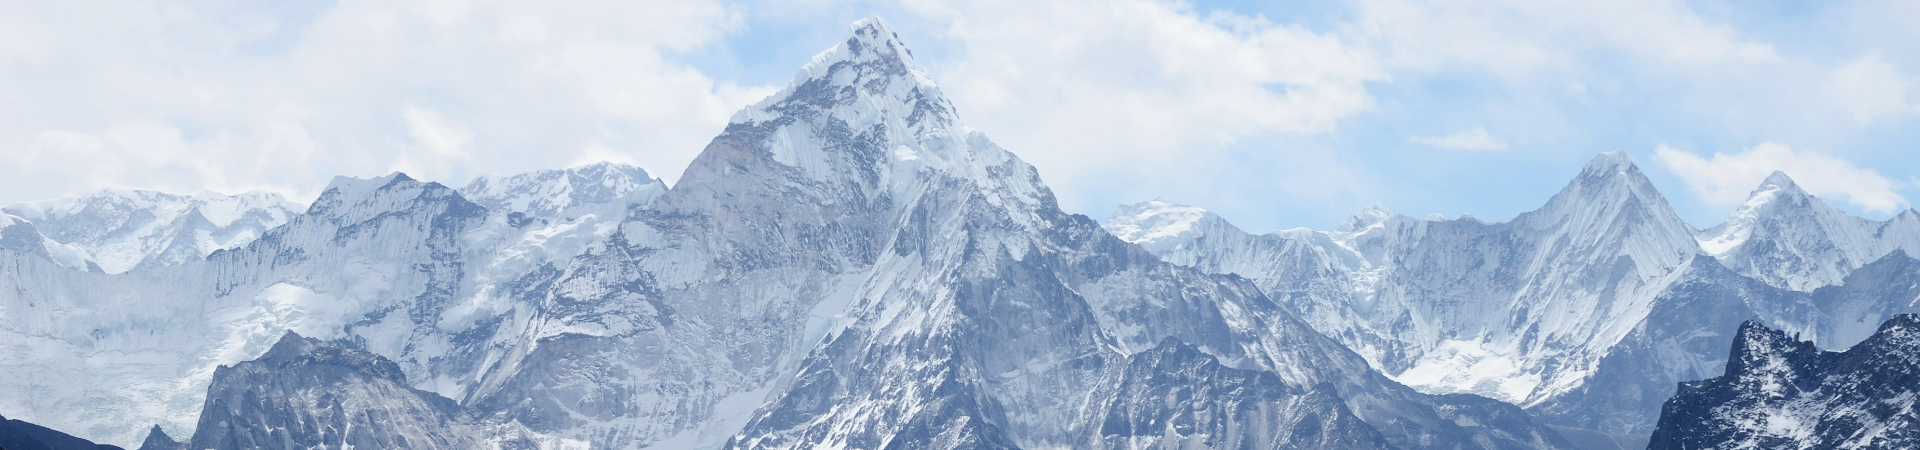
(1781, 392)
(1588, 311)
(847, 265)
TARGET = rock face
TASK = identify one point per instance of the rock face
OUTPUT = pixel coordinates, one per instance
(1781, 392)
(1586, 311)
(1177, 397)
(305, 393)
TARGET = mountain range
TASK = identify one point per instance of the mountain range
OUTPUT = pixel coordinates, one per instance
(848, 265)
(1588, 311)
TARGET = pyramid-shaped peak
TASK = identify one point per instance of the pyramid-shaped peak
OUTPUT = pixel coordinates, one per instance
(1777, 186)
(1609, 162)
(1603, 175)
(870, 71)
(869, 42)
(1371, 216)
(1778, 179)
(872, 30)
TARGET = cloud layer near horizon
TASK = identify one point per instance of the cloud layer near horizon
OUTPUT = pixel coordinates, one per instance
(1274, 115)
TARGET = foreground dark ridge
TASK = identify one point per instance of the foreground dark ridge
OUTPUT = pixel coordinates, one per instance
(1782, 392)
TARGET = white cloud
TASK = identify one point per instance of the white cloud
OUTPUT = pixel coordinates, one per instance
(437, 134)
(1100, 89)
(1471, 139)
(1869, 88)
(1513, 36)
(241, 96)
(1727, 179)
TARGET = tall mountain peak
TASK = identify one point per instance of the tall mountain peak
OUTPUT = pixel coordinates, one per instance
(862, 122)
(1778, 179)
(1776, 189)
(1791, 239)
(1613, 196)
(1612, 169)
(1371, 216)
(871, 64)
(1609, 162)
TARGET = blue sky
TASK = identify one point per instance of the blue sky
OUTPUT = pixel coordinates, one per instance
(1274, 114)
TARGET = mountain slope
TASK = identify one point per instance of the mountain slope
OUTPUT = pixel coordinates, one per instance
(1175, 396)
(304, 393)
(1780, 392)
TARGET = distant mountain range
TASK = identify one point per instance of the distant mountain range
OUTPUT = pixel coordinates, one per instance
(848, 265)
(1587, 311)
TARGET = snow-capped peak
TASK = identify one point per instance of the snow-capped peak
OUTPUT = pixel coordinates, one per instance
(1614, 162)
(1155, 220)
(1778, 179)
(1613, 200)
(1776, 188)
(348, 188)
(1788, 238)
(118, 229)
(873, 62)
(552, 193)
(863, 115)
(1373, 215)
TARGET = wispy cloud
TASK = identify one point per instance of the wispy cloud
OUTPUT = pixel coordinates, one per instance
(1869, 88)
(1727, 179)
(1475, 139)
(188, 95)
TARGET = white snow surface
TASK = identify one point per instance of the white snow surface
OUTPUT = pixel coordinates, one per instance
(1790, 239)
(118, 229)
